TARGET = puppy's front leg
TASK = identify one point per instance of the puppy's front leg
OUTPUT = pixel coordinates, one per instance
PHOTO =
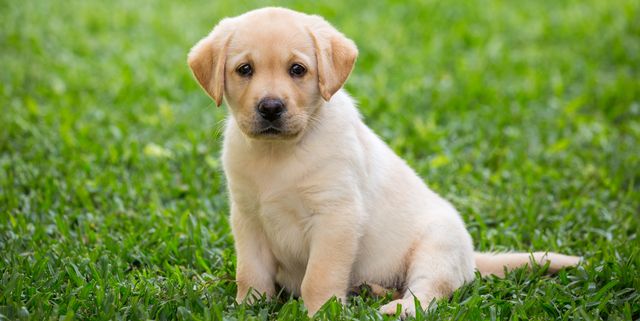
(256, 265)
(334, 243)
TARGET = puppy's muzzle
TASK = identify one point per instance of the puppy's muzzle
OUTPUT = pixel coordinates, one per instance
(271, 109)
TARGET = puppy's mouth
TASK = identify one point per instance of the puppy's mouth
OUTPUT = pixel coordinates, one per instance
(270, 131)
(260, 129)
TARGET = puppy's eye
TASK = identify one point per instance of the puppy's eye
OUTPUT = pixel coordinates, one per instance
(297, 70)
(244, 70)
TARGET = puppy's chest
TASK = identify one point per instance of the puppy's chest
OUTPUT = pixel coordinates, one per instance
(280, 208)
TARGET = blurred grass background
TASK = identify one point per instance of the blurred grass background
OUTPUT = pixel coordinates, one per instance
(526, 114)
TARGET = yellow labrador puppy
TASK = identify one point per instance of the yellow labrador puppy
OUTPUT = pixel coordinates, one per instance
(319, 203)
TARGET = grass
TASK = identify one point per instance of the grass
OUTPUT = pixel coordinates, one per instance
(526, 115)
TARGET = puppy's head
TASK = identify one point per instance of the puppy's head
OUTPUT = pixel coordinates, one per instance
(274, 66)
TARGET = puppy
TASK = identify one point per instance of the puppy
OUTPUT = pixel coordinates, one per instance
(319, 204)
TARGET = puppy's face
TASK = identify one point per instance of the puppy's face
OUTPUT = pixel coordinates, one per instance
(271, 77)
(274, 67)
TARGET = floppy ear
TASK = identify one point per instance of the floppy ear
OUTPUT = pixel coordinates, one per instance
(207, 59)
(335, 55)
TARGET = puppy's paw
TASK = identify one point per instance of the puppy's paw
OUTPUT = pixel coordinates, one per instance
(252, 296)
(248, 299)
(407, 309)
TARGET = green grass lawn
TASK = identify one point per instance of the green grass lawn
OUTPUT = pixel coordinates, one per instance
(525, 114)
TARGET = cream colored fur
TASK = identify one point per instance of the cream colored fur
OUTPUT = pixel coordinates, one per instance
(326, 205)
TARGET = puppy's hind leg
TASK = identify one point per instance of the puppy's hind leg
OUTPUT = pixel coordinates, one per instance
(433, 271)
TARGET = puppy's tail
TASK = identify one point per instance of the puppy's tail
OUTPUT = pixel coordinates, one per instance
(495, 263)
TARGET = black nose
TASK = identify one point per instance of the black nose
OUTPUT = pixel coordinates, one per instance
(270, 108)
